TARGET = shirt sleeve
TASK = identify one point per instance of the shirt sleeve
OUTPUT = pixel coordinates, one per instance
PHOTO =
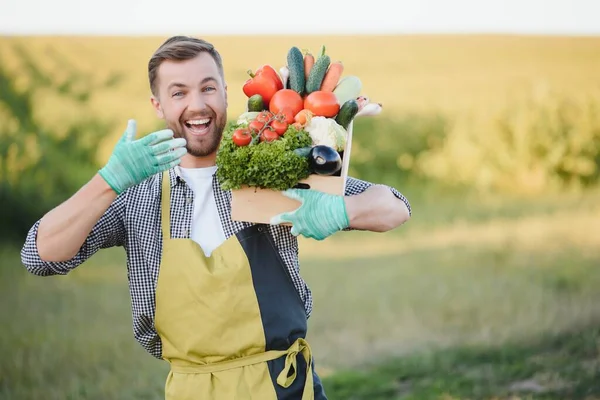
(357, 186)
(109, 231)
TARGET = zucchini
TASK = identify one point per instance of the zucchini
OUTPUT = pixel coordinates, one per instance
(317, 73)
(347, 113)
(255, 103)
(348, 88)
(295, 63)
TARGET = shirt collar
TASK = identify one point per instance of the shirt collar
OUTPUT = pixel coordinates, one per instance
(175, 176)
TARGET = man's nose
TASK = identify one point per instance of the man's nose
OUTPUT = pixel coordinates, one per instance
(197, 102)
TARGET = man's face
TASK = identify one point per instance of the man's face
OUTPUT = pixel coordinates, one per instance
(192, 99)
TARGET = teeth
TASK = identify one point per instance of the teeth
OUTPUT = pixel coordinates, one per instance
(198, 121)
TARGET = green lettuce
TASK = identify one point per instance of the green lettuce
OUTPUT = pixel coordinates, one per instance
(266, 165)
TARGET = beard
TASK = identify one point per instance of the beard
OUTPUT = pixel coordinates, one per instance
(205, 145)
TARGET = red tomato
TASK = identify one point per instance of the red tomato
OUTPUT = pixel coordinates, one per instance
(286, 98)
(264, 116)
(255, 125)
(279, 126)
(268, 135)
(322, 103)
(242, 137)
(287, 114)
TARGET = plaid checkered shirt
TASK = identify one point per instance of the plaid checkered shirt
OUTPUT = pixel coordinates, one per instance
(133, 222)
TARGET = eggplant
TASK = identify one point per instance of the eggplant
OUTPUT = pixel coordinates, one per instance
(324, 160)
(339, 173)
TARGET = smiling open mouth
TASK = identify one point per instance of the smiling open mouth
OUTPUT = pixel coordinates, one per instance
(198, 126)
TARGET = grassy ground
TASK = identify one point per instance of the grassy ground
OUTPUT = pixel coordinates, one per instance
(494, 303)
(565, 366)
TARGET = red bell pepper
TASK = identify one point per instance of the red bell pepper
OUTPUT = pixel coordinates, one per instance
(270, 71)
(264, 82)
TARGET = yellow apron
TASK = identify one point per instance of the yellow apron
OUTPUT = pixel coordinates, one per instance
(232, 325)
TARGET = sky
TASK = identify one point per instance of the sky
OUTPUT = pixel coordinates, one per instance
(155, 17)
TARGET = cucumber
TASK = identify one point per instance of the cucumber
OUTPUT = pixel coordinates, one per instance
(295, 63)
(347, 113)
(317, 73)
(348, 88)
(255, 103)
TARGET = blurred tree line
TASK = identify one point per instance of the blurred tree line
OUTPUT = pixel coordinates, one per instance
(40, 167)
(541, 143)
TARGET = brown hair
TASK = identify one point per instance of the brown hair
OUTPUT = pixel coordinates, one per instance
(180, 48)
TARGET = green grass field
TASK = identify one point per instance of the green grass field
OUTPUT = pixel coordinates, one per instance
(496, 301)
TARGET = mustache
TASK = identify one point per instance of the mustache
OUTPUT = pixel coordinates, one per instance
(197, 116)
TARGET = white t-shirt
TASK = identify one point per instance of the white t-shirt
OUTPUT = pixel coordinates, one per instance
(207, 230)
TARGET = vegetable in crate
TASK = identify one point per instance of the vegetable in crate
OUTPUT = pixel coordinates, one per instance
(317, 72)
(295, 64)
(265, 82)
(241, 136)
(247, 117)
(370, 109)
(332, 76)
(309, 61)
(263, 164)
(322, 104)
(349, 87)
(323, 160)
(288, 102)
(347, 113)
(327, 132)
(255, 103)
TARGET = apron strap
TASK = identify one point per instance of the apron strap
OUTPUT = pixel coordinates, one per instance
(166, 206)
(284, 379)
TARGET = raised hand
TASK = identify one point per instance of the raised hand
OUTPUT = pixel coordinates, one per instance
(132, 161)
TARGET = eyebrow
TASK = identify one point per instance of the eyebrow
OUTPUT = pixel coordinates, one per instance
(208, 79)
(183, 85)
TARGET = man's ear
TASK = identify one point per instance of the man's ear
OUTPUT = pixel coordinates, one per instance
(226, 103)
(156, 104)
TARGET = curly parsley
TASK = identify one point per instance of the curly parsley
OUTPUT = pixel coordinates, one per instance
(267, 165)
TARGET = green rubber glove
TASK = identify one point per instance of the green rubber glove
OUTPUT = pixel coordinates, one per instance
(132, 161)
(319, 216)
